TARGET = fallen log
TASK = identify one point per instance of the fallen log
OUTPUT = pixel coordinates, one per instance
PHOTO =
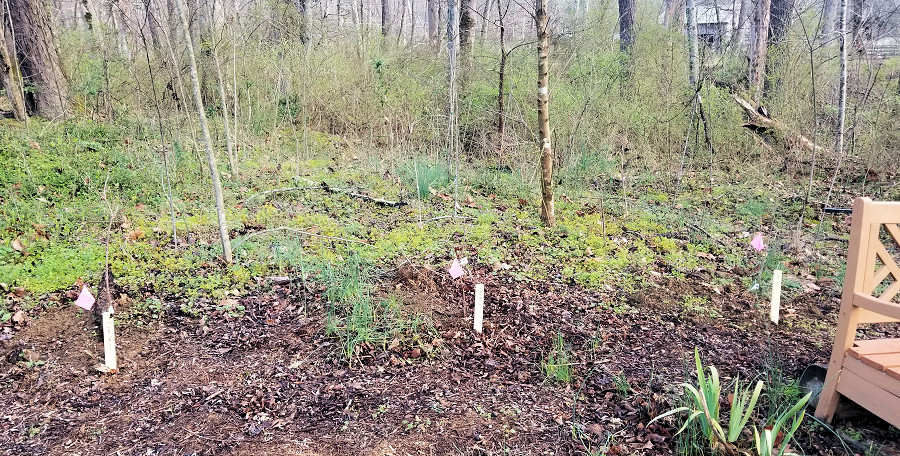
(772, 131)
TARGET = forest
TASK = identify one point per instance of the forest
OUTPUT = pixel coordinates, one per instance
(473, 227)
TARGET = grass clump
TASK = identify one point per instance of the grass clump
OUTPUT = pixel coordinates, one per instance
(556, 366)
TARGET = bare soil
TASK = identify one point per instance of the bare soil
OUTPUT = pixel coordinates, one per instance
(271, 382)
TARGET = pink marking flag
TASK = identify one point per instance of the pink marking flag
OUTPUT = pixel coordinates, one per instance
(85, 299)
(456, 271)
(757, 242)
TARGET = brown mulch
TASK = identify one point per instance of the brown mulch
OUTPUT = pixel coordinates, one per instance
(271, 382)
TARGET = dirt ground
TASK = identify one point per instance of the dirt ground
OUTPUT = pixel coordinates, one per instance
(270, 382)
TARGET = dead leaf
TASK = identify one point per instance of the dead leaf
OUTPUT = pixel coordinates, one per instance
(469, 201)
(19, 317)
(135, 234)
(17, 245)
(229, 303)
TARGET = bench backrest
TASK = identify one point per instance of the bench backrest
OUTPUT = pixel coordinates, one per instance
(869, 261)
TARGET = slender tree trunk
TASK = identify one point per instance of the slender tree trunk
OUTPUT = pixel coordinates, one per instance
(626, 25)
(758, 48)
(842, 97)
(232, 167)
(210, 155)
(693, 59)
(386, 18)
(433, 21)
(412, 21)
(501, 83)
(39, 57)
(11, 77)
(543, 104)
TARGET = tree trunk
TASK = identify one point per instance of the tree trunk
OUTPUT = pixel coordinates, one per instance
(501, 83)
(780, 20)
(303, 26)
(842, 96)
(626, 25)
(743, 27)
(693, 59)
(466, 27)
(11, 76)
(758, 47)
(39, 57)
(543, 104)
(829, 12)
(386, 18)
(207, 140)
(432, 21)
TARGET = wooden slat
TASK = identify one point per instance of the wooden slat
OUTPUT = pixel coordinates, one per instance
(890, 291)
(893, 372)
(882, 361)
(880, 275)
(879, 306)
(867, 316)
(883, 212)
(881, 402)
(868, 347)
(894, 230)
(875, 377)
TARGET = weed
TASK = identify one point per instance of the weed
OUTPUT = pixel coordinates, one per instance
(556, 366)
(622, 385)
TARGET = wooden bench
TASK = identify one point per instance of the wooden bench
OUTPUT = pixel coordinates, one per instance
(867, 371)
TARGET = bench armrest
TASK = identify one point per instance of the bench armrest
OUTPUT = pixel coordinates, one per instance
(879, 306)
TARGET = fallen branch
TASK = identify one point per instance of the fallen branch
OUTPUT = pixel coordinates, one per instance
(298, 231)
(378, 201)
(772, 130)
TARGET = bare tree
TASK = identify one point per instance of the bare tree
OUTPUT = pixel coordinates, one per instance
(829, 12)
(548, 214)
(303, 26)
(842, 97)
(38, 57)
(626, 25)
(780, 20)
(693, 59)
(207, 140)
(758, 47)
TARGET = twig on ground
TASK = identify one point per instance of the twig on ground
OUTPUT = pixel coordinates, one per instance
(446, 217)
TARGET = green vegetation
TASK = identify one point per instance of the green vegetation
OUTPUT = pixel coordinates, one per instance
(556, 365)
(704, 401)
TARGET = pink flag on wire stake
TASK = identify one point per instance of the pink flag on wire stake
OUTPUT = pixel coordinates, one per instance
(85, 299)
(456, 271)
(757, 242)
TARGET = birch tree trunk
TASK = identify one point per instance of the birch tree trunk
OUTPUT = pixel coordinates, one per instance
(626, 25)
(543, 104)
(11, 76)
(232, 167)
(758, 48)
(693, 59)
(38, 56)
(743, 27)
(207, 140)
